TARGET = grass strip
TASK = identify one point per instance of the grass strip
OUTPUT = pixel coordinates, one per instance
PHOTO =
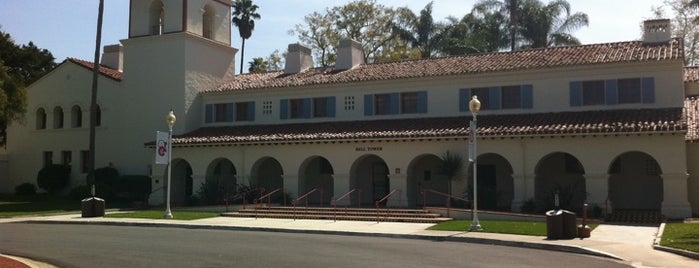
(160, 214)
(498, 226)
(681, 236)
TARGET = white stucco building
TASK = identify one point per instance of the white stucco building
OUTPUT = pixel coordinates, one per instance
(613, 125)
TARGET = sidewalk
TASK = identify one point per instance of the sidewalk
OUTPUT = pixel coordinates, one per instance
(629, 244)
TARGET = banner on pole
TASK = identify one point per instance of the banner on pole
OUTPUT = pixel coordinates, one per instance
(471, 141)
(161, 147)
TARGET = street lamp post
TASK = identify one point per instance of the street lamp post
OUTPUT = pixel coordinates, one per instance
(474, 106)
(170, 119)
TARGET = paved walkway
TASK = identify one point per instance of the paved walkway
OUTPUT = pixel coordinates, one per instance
(629, 244)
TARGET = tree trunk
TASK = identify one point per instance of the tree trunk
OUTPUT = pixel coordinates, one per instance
(242, 55)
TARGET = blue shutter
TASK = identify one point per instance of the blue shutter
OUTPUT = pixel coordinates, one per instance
(284, 109)
(331, 107)
(611, 89)
(494, 95)
(306, 108)
(209, 113)
(250, 116)
(575, 93)
(394, 99)
(464, 98)
(648, 86)
(230, 112)
(422, 102)
(527, 97)
(369, 104)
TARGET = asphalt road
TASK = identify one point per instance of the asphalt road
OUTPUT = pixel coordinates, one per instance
(123, 246)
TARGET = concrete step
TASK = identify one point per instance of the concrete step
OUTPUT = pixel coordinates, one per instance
(357, 214)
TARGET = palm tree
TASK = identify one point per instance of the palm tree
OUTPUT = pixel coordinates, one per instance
(551, 24)
(258, 65)
(509, 9)
(422, 33)
(450, 165)
(244, 16)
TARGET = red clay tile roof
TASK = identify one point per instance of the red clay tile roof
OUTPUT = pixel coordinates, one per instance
(106, 71)
(691, 74)
(635, 51)
(691, 113)
(565, 123)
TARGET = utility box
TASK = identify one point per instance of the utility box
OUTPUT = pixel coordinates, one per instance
(570, 227)
(554, 224)
(92, 207)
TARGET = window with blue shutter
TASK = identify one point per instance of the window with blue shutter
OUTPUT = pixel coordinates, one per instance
(494, 95)
(368, 104)
(331, 107)
(527, 97)
(251, 111)
(575, 93)
(611, 92)
(306, 106)
(229, 112)
(209, 113)
(422, 102)
(464, 98)
(284, 109)
(648, 85)
(394, 100)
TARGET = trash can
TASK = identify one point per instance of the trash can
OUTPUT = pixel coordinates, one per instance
(554, 224)
(92, 207)
(570, 227)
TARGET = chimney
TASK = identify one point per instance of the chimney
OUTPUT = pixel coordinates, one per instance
(349, 54)
(656, 31)
(298, 59)
(113, 57)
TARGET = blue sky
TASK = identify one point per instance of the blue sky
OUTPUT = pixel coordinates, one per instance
(67, 27)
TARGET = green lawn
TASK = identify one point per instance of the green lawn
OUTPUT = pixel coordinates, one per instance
(682, 236)
(39, 204)
(160, 214)
(495, 226)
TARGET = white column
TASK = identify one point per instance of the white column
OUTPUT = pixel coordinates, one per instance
(675, 204)
(398, 181)
(520, 193)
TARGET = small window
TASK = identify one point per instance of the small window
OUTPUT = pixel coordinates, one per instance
(58, 117)
(629, 90)
(382, 104)
(267, 107)
(511, 97)
(408, 102)
(296, 108)
(483, 96)
(349, 103)
(320, 107)
(76, 116)
(593, 92)
(41, 118)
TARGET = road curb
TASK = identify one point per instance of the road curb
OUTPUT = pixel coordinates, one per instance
(477, 240)
(682, 252)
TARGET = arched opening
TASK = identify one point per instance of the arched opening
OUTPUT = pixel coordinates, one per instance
(208, 22)
(267, 173)
(182, 182)
(58, 117)
(635, 182)
(369, 173)
(76, 116)
(424, 173)
(220, 181)
(495, 182)
(40, 118)
(562, 174)
(317, 172)
(157, 17)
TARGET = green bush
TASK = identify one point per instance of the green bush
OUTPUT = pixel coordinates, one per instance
(25, 189)
(53, 178)
(80, 192)
(133, 188)
(529, 206)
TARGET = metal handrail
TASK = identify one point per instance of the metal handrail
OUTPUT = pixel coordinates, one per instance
(268, 197)
(388, 209)
(448, 199)
(359, 200)
(305, 197)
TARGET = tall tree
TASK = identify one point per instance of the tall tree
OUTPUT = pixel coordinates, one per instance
(258, 65)
(550, 24)
(684, 24)
(474, 33)
(422, 33)
(19, 66)
(509, 9)
(244, 16)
